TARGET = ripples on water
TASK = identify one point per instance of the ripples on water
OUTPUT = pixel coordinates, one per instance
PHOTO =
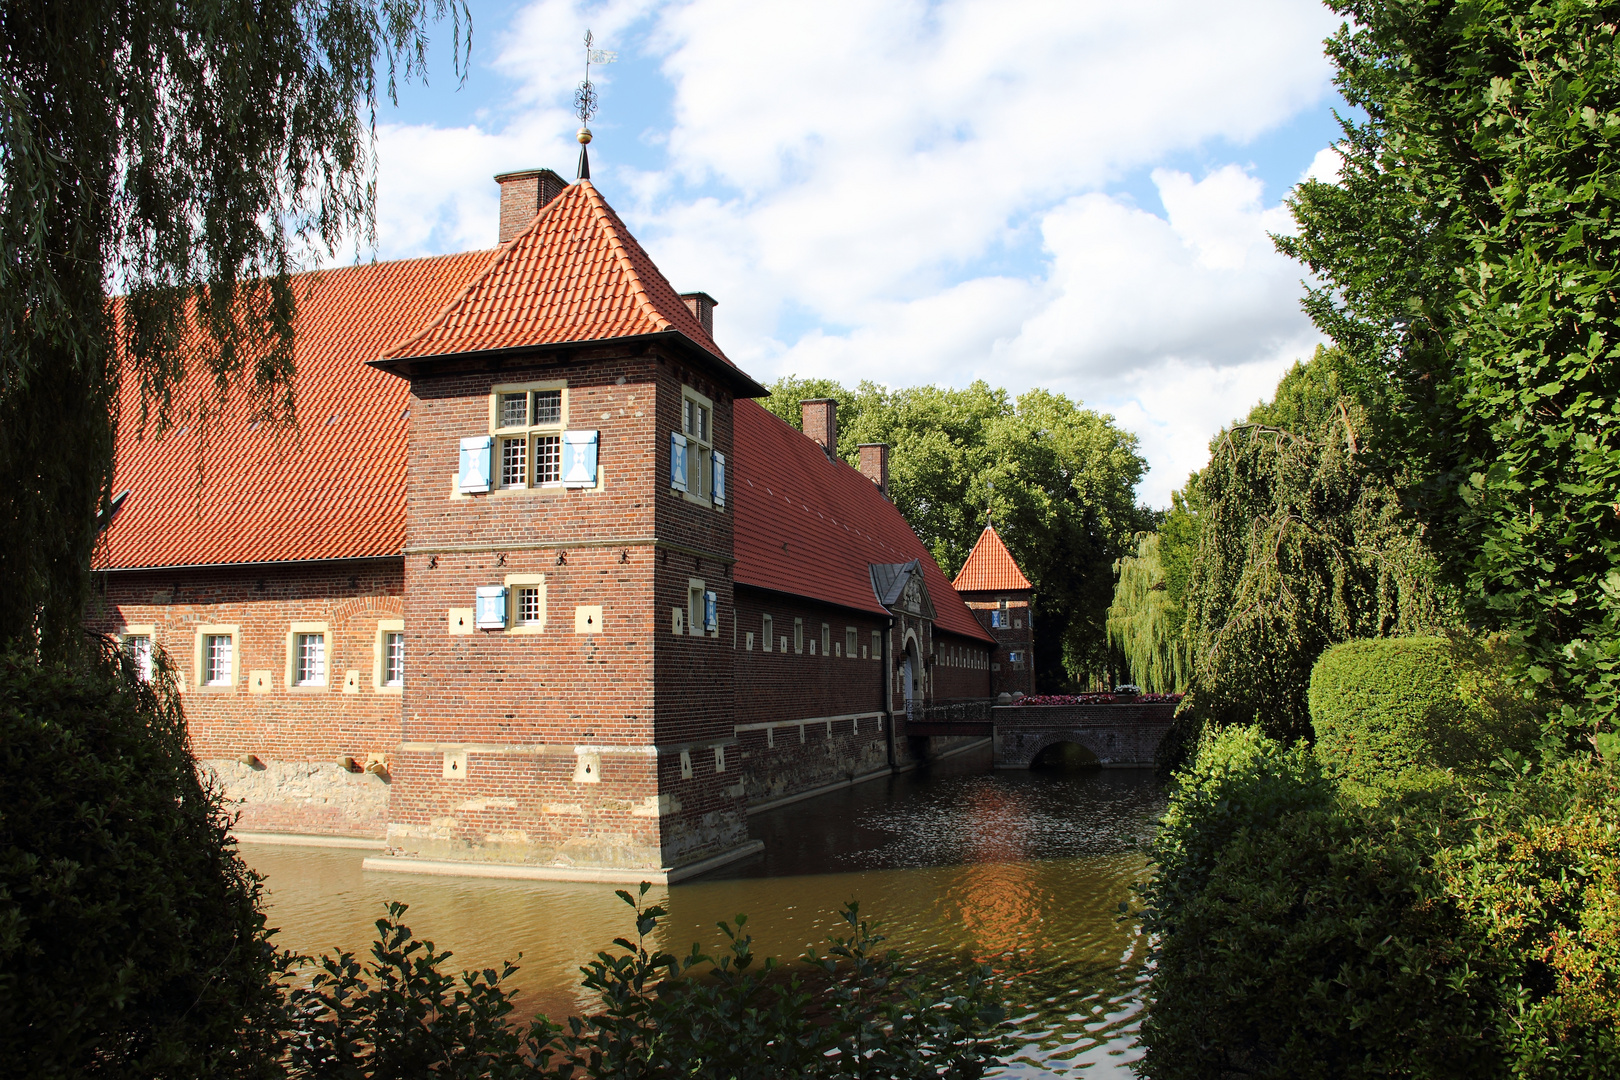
(1023, 870)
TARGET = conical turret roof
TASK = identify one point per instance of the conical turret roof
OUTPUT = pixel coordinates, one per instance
(990, 567)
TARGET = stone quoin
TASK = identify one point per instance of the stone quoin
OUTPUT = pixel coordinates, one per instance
(535, 587)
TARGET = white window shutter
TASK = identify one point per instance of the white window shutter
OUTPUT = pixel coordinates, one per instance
(579, 459)
(476, 455)
(677, 461)
(719, 479)
(711, 612)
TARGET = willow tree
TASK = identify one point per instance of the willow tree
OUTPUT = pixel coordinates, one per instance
(1145, 623)
(189, 155)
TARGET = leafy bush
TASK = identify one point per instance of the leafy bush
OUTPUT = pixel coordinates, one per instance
(131, 941)
(1401, 712)
(1427, 934)
(851, 1012)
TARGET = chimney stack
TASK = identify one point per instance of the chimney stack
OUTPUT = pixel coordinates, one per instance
(702, 305)
(523, 195)
(875, 465)
(821, 422)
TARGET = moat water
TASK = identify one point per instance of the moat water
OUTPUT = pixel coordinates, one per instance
(1022, 870)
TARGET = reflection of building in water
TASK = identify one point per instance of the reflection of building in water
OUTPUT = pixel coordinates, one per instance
(535, 585)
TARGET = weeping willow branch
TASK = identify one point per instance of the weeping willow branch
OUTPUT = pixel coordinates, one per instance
(1145, 623)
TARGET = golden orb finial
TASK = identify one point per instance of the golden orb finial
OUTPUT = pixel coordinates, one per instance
(584, 136)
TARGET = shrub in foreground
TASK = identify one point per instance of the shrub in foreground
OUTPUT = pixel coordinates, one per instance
(131, 941)
(853, 1011)
(1467, 931)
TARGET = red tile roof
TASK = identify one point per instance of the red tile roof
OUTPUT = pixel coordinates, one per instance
(990, 567)
(575, 274)
(333, 489)
(811, 527)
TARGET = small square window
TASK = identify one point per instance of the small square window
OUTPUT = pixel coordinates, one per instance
(513, 410)
(310, 659)
(394, 659)
(547, 407)
(547, 459)
(217, 659)
(529, 610)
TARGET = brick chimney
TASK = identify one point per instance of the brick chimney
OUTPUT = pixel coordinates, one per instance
(523, 194)
(821, 422)
(875, 464)
(702, 305)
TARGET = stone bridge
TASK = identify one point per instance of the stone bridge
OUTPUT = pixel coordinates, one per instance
(1122, 735)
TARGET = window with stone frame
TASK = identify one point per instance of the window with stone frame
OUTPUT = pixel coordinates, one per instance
(138, 647)
(851, 641)
(309, 660)
(218, 659)
(826, 640)
(527, 422)
(767, 632)
(394, 658)
(697, 424)
(798, 635)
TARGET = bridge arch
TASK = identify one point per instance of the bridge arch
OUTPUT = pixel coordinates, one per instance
(1064, 754)
(1018, 747)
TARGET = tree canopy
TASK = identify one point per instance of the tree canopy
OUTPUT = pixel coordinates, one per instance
(1058, 480)
(1468, 258)
(186, 154)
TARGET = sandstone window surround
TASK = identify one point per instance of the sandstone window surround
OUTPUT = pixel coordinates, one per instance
(388, 657)
(877, 645)
(526, 594)
(702, 610)
(137, 643)
(826, 640)
(308, 656)
(851, 641)
(697, 472)
(798, 636)
(767, 631)
(215, 656)
(528, 447)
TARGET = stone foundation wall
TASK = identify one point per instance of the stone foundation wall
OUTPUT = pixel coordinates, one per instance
(304, 797)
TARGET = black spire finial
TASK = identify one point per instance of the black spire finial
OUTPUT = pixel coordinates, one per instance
(585, 102)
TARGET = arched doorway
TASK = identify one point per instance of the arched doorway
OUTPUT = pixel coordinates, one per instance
(908, 677)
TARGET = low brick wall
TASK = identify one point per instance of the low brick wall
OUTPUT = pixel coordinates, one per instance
(1119, 735)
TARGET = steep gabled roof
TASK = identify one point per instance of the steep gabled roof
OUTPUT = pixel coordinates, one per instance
(813, 527)
(575, 274)
(333, 489)
(990, 567)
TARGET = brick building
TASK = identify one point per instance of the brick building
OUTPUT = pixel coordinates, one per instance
(998, 593)
(535, 587)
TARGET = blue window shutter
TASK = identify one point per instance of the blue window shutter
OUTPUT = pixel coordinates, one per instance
(476, 454)
(677, 461)
(579, 459)
(491, 611)
(711, 612)
(719, 479)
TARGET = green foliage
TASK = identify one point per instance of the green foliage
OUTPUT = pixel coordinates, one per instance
(1145, 624)
(1398, 712)
(854, 1012)
(131, 940)
(1469, 257)
(1057, 479)
(185, 154)
(1309, 932)
(1301, 544)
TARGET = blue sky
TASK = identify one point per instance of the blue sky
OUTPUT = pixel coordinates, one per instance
(1070, 195)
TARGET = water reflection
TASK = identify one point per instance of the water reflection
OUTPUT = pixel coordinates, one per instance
(1021, 870)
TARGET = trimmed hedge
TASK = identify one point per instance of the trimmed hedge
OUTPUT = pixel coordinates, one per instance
(1402, 712)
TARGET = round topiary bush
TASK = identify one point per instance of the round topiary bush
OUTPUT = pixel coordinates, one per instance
(131, 937)
(1403, 711)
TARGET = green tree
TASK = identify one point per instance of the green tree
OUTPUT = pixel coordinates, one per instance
(1468, 256)
(1144, 622)
(1058, 480)
(186, 153)
(1301, 543)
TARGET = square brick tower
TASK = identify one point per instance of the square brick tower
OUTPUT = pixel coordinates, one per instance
(568, 567)
(1000, 597)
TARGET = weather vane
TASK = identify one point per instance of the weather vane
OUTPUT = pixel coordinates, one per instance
(585, 102)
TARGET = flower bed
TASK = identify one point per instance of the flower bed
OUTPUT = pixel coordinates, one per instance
(1099, 699)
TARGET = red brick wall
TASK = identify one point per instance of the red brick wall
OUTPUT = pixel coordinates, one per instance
(1007, 677)
(297, 734)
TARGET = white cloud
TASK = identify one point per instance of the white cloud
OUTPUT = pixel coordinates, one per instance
(917, 191)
